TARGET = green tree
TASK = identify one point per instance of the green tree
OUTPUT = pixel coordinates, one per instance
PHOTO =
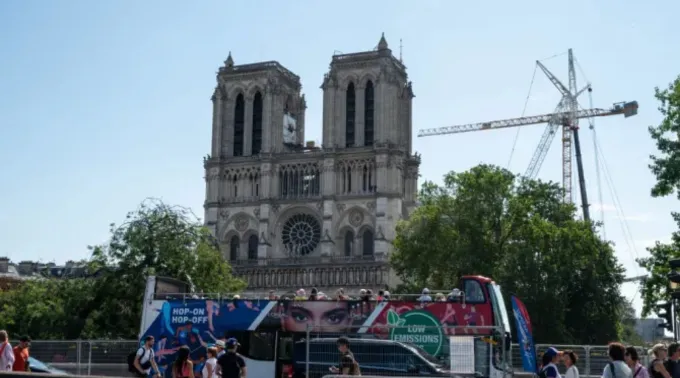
(156, 239)
(519, 232)
(666, 168)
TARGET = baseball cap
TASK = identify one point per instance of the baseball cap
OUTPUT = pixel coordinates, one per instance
(232, 342)
(219, 343)
(552, 352)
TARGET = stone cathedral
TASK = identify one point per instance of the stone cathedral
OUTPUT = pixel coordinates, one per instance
(289, 214)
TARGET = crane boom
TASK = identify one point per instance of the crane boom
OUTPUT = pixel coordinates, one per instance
(627, 109)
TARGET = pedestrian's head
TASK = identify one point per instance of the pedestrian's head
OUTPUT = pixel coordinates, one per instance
(149, 340)
(551, 355)
(3, 336)
(24, 341)
(616, 351)
(183, 354)
(631, 356)
(674, 351)
(220, 345)
(343, 344)
(569, 357)
(232, 344)
(212, 352)
(659, 351)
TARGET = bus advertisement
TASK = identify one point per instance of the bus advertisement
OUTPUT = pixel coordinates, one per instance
(268, 329)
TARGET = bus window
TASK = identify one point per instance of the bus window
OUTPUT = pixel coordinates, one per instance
(261, 346)
(285, 348)
(473, 292)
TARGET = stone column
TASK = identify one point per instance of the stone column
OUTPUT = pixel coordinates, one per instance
(248, 127)
(339, 124)
(228, 128)
(267, 121)
(216, 123)
(360, 91)
(328, 116)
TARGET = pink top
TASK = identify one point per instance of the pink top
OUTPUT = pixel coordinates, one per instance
(640, 371)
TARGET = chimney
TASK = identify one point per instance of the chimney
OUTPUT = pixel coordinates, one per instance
(26, 268)
(4, 264)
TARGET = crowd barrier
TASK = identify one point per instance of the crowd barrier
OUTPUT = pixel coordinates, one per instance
(108, 357)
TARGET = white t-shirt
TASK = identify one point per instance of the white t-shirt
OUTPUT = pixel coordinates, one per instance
(621, 370)
(146, 355)
(212, 361)
(572, 372)
(6, 357)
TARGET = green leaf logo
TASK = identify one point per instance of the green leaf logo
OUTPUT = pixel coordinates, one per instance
(393, 318)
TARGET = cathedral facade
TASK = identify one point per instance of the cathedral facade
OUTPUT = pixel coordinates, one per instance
(289, 214)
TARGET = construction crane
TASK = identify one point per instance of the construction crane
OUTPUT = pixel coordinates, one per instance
(566, 115)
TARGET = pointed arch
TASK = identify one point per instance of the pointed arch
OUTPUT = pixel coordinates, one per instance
(252, 247)
(350, 113)
(256, 143)
(348, 243)
(367, 244)
(369, 113)
(239, 124)
(234, 244)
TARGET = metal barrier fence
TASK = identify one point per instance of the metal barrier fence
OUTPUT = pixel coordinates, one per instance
(108, 357)
(85, 357)
(591, 358)
(413, 346)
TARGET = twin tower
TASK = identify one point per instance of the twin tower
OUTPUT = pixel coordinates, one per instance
(289, 214)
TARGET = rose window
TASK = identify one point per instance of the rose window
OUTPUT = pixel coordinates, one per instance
(301, 234)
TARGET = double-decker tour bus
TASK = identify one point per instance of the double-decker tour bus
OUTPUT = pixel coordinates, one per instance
(471, 325)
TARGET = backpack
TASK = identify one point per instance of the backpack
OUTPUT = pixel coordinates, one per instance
(131, 361)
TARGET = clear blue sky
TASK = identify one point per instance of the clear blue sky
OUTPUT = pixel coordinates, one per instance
(105, 103)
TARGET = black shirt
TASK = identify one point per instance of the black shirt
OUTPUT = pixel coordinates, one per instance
(347, 361)
(673, 368)
(231, 364)
(652, 372)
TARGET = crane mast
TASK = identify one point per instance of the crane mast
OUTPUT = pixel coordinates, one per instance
(565, 116)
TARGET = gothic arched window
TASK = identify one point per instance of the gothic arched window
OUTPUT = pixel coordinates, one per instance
(350, 112)
(233, 248)
(349, 243)
(252, 247)
(369, 111)
(239, 124)
(367, 243)
(257, 124)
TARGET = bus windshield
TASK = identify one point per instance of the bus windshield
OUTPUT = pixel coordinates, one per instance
(496, 292)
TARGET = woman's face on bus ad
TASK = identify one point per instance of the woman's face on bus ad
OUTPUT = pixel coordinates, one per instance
(326, 316)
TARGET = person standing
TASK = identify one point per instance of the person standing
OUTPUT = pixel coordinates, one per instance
(633, 361)
(569, 358)
(210, 369)
(548, 368)
(656, 367)
(231, 364)
(672, 364)
(21, 355)
(617, 368)
(6, 353)
(183, 367)
(348, 365)
(145, 359)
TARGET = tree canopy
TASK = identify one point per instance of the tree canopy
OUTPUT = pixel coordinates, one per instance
(520, 233)
(666, 168)
(156, 239)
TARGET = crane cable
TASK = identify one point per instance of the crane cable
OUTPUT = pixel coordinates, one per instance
(526, 102)
(601, 165)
